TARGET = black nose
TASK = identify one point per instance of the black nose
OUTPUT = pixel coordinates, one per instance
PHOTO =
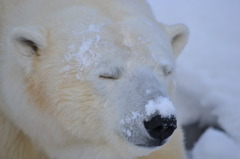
(160, 128)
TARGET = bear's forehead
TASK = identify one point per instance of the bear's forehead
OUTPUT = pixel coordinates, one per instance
(108, 36)
(130, 31)
(130, 34)
(90, 39)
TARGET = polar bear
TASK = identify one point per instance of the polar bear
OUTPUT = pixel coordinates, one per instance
(87, 79)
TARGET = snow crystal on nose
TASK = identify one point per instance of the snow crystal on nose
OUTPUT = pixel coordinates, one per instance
(127, 132)
(161, 105)
(131, 118)
(130, 122)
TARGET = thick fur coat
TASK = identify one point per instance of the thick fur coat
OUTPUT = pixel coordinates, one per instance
(72, 74)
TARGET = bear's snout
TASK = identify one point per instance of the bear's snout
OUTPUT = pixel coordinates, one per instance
(150, 124)
(160, 128)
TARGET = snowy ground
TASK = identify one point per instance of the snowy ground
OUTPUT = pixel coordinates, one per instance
(208, 74)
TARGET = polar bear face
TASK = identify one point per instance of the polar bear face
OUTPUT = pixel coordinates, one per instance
(94, 80)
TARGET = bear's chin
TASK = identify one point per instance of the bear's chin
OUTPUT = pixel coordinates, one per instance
(152, 144)
(146, 147)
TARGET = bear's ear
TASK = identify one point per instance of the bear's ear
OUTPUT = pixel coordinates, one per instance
(26, 44)
(178, 35)
(27, 41)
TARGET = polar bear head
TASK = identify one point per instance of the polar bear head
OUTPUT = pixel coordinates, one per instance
(82, 79)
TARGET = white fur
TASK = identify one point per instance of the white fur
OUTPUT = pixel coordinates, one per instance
(60, 99)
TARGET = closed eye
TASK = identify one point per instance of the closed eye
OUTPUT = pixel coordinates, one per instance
(112, 75)
(108, 76)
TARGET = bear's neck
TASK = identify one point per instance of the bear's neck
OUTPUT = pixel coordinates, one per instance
(14, 144)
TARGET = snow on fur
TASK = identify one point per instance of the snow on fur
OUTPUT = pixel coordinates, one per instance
(162, 105)
(81, 55)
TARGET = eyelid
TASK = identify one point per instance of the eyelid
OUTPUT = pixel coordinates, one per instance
(108, 76)
(113, 74)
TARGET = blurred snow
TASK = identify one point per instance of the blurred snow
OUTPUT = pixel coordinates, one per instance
(214, 144)
(208, 75)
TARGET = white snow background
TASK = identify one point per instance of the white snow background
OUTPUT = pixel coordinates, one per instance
(208, 74)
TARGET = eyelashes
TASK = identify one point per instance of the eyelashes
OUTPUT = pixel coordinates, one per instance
(114, 74)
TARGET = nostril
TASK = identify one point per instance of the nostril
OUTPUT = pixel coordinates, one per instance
(161, 128)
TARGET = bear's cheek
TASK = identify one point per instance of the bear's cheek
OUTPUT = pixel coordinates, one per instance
(36, 91)
(78, 113)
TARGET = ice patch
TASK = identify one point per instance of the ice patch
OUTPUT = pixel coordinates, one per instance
(78, 58)
(162, 105)
(84, 57)
(80, 52)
